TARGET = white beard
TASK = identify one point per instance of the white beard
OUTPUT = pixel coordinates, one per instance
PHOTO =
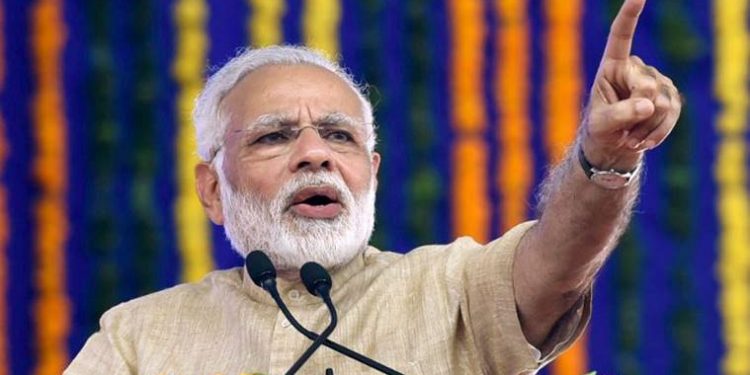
(252, 223)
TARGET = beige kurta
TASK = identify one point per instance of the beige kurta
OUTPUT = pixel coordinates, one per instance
(445, 309)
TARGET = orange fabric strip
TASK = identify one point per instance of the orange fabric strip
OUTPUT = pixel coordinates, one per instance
(564, 78)
(470, 200)
(52, 308)
(512, 89)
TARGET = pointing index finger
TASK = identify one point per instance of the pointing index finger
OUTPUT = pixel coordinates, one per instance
(623, 28)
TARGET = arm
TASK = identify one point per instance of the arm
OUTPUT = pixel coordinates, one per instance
(632, 108)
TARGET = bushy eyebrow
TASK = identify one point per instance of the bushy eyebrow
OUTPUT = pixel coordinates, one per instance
(275, 120)
(336, 118)
(269, 120)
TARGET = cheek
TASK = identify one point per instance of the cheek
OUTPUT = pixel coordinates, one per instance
(358, 176)
(260, 179)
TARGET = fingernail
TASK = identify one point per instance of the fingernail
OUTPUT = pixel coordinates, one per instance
(642, 106)
(634, 143)
(649, 145)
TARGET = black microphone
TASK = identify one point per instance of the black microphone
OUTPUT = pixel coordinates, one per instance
(263, 274)
(318, 283)
(261, 270)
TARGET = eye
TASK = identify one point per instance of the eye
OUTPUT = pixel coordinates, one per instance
(338, 136)
(273, 138)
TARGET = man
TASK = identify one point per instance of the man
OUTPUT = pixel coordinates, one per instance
(289, 167)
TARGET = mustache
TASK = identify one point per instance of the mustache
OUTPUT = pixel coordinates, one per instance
(331, 180)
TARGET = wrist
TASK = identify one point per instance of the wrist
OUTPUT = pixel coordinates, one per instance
(608, 178)
(611, 159)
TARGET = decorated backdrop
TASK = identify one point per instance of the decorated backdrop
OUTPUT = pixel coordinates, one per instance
(474, 99)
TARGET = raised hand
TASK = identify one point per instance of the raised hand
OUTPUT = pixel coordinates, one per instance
(633, 107)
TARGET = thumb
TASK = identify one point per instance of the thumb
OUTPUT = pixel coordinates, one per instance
(621, 115)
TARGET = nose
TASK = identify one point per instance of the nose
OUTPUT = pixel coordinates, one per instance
(310, 152)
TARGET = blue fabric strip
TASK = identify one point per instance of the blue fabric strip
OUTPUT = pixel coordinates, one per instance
(78, 264)
(166, 131)
(18, 127)
(293, 22)
(227, 33)
(394, 121)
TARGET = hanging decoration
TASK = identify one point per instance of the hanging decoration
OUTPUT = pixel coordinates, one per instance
(264, 26)
(732, 50)
(470, 201)
(321, 21)
(51, 309)
(512, 91)
(193, 234)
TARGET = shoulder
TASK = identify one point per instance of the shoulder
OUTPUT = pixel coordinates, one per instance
(458, 251)
(184, 298)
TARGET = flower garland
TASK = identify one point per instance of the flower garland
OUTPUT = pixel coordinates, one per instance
(4, 219)
(193, 236)
(512, 89)
(562, 96)
(321, 21)
(732, 49)
(564, 78)
(51, 309)
(264, 25)
(470, 200)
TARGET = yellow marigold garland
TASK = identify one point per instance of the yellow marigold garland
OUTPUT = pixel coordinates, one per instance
(264, 26)
(321, 25)
(732, 50)
(512, 89)
(562, 93)
(470, 202)
(4, 222)
(52, 308)
(193, 235)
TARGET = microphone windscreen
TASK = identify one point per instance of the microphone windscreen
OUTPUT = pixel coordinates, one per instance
(259, 267)
(313, 275)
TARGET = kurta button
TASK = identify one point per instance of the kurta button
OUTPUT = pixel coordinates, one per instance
(285, 323)
(294, 294)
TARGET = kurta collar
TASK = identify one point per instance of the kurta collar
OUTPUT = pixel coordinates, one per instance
(294, 293)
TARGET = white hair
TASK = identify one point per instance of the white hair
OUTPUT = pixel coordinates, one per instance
(211, 124)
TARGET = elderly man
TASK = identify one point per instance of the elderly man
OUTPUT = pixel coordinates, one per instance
(287, 143)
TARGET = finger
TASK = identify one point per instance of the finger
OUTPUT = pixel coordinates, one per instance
(621, 33)
(642, 80)
(662, 131)
(621, 115)
(664, 105)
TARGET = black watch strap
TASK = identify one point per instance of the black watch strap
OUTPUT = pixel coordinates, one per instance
(611, 178)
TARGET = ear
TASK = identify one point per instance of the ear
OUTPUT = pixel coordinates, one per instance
(375, 165)
(207, 185)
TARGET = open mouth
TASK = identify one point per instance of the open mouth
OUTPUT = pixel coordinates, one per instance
(317, 202)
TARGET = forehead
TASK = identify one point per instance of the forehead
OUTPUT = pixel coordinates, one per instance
(298, 90)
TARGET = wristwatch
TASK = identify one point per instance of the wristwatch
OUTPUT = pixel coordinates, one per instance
(608, 179)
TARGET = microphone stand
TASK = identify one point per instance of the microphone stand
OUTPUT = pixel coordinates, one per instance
(270, 287)
(263, 273)
(318, 341)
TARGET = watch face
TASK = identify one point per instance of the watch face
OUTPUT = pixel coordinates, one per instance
(609, 180)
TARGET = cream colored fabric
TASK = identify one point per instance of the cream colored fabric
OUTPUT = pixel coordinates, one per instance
(445, 309)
